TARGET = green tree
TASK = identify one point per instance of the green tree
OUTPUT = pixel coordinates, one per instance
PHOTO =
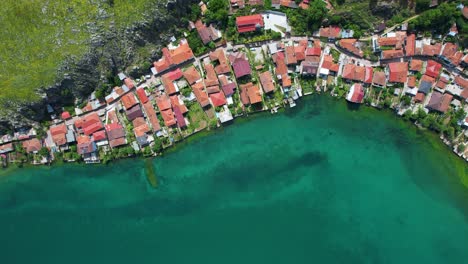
(461, 148)
(44, 152)
(422, 5)
(218, 12)
(157, 145)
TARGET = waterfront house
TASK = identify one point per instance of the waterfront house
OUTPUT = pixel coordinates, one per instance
(250, 94)
(32, 145)
(240, 64)
(266, 80)
(115, 135)
(309, 68)
(100, 138)
(328, 67)
(58, 134)
(88, 149)
(379, 79)
(249, 23)
(168, 117)
(227, 86)
(218, 99)
(398, 72)
(369, 73)
(5, 148)
(355, 94)
(353, 72)
(439, 102)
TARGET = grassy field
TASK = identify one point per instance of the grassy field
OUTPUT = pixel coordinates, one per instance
(38, 35)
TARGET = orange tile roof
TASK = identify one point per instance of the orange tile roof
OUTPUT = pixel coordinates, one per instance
(290, 56)
(391, 54)
(168, 117)
(416, 65)
(330, 32)
(191, 75)
(353, 72)
(412, 81)
(182, 53)
(129, 101)
(286, 80)
(432, 50)
(168, 85)
(163, 102)
(220, 56)
(200, 94)
(176, 103)
(352, 46)
(390, 41)
(380, 78)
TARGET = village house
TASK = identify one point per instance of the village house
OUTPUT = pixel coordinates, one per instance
(173, 56)
(180, 109)
(249, 23)
(87, 149)
(58, 134)
(433, 68)
(115, 135)
(240, 64)
(32, 145)
(207, 33)
(353, 72)
(328, 67)
(416, 65)
(398, 72)
(266, 79)
(379, 79)
(250, 94)
(355, 94)
(425, 85)
(221, 63)
(152, 117)
(330, 32)
(7, 147)
(200, 94)
(351, 45)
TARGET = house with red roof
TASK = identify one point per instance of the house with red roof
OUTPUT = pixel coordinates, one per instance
(250, 94)
(266, 80)
(369, 74)
(351, 45)
(240, 64)
(191, 75)
(129, 100)
(200, 94)
(355, 94)
(249, 23)
(207, 33)
(218, 56)
(169, 86)
(65, 115)
(89, 124)
(218, 99)
(392, 54)
(410, 45)
(168, 117)
(353, 72)
(416, 65)
(115, 134)
(398, 72)
(151, 115)
(433, 68)
(32, 145)
(173, 57)
(142, 95)
(330, 32)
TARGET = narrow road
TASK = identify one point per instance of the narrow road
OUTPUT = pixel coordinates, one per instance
(391, 28)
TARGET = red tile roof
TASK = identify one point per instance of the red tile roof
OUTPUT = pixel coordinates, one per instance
(250, 93)
(330, 32)
(220, 56)
(369, 75)
(300, 52)
(380, 78)
(432, 50)
(152, 117)
(115, 131)
(391, 54)
(90, 129)
(352, 46)
(313, 51)
(463, 83)
(174, 75)
(191, 75)
(286, 80)
(163, 102)
(142, 95)
(439, 102)
(353, 72)
(32, 145)
(179, 117)
(419, 98)
(181, 54)
(66, 115)
(218, 99)
(290, 56)
(168, 85)
(129, 101)
(390, 41)
(249, 23)
(412, 81)
(200, 94)
(129, 83)
(100, 135)
(176, 103)
(410, 45)
(356, 93)
(398, 72)
(433, 68)
(168, 117)
(416, 65)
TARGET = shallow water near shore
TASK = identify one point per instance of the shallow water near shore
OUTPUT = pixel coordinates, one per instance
(321, 183)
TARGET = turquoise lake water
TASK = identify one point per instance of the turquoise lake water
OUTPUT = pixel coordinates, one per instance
(320, 183)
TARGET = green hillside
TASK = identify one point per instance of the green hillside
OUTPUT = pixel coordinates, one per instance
(38, 35)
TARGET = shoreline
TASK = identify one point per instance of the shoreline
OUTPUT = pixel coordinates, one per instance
(433, 139)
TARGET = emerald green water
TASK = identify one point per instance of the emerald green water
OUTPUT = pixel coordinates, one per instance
(317, 184)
